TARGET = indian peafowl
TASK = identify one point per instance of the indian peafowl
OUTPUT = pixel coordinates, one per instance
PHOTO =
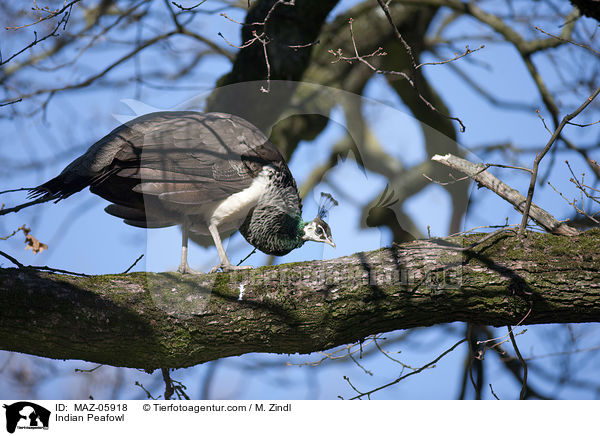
(212, 173)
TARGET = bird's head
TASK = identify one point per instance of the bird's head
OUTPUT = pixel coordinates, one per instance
(318, 230)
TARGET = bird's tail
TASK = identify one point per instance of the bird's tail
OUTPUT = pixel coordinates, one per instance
(55, 189)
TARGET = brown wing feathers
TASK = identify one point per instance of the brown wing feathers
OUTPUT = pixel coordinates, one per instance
(166, 157)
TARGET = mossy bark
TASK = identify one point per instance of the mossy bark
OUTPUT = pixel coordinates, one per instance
(168, 320)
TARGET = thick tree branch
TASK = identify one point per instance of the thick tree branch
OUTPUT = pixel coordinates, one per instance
(277, 42)
(167, 320)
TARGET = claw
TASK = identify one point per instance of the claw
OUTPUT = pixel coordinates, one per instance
(229, 267)
(185, 269)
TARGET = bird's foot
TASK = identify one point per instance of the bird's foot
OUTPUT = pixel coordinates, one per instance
(184, 268)
(225, 267)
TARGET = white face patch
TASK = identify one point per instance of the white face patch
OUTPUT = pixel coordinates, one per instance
(309, 231)
(314, 231)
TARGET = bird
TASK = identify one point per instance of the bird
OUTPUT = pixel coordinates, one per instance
(211, 173)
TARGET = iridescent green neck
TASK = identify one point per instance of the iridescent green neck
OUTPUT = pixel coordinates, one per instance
(274, 233)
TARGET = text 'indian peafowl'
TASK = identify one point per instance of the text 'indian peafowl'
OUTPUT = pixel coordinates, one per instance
(213, 173)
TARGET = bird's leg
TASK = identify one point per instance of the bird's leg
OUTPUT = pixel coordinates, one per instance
(183, 266)
(225, 264)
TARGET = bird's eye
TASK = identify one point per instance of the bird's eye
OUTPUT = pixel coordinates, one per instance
(320, 231)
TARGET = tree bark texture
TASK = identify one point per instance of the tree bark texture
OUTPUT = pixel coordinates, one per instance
(277, 42)
(149, 320)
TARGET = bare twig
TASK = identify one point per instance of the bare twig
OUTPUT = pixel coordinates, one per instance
(23, 206)
(405, 76)
(468, 51)
(57, 270)
(93, 78)
(246, 258)
(168, 383)
(502, 337)
(37, 40)
(514, 343)
(148, 394)
(12, 259)
(264, 39)
(416, 371)
(584, 190)
(386, 11)
(560, 38)
(133, 264)
(89, 370)
(4, 238)
(11, 102)
(189, 8)
(584, 125)
(541, 155)
(493, 393)
(478, 242)
(484, 178)
(173, 386)
(51, 14)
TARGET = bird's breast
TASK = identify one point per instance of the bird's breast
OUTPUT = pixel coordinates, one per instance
(231, 212)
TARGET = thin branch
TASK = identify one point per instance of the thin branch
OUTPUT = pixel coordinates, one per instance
(23, 228)
(93, 78)
(12, 259)
(57, 270)
(386, 11)
(133, 264)
(89, 370)
(23, 206)
(514, 343)
(587, 47)
(36, 41)
(408, 78)
(502, 337)
(485, 93)
(476, 243)
(428, 365)
(168, 383)
(468, 51)
(484, 178)
(51, 14)
(584, 125)
(541, 155)
(246, 258)
(190, 8)
(173, 386)
(493, 393)
(11, 102)
(148, 394)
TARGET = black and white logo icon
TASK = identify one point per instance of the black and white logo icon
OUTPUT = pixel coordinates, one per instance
(26, 415)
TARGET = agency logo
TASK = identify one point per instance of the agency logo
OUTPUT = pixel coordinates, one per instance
(26, 415)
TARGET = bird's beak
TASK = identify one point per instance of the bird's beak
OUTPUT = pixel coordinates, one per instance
(330, 242)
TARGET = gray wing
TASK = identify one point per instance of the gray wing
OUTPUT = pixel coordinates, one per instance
(190, 158)
(178, 158)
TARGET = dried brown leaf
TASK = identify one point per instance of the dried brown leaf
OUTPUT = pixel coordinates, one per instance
(32, 242)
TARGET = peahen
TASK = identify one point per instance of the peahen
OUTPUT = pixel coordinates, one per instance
(212, 173)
